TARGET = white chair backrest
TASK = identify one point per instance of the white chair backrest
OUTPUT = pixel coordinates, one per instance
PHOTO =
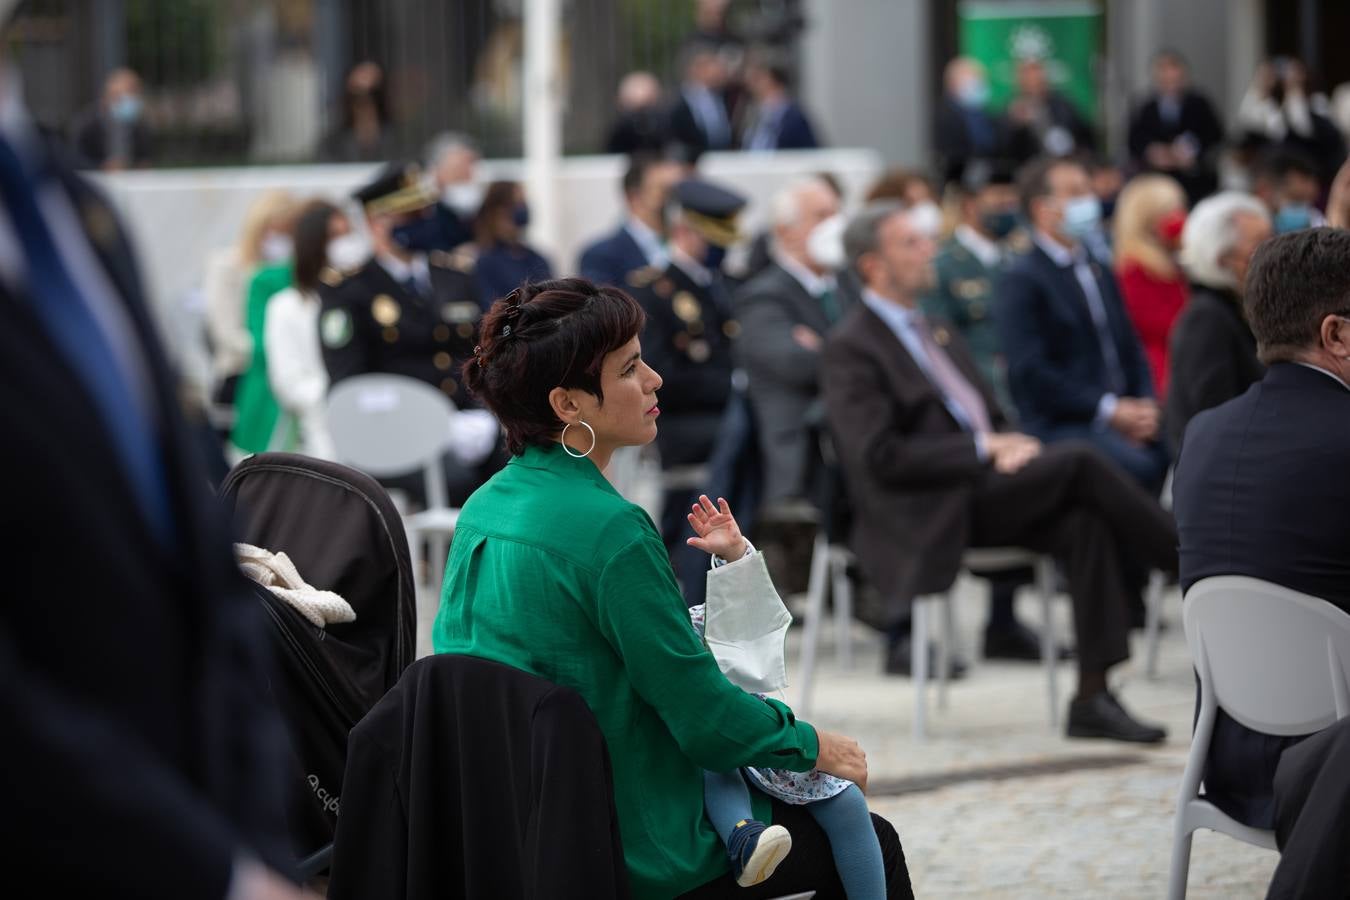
(389, 425)
(1278, 661)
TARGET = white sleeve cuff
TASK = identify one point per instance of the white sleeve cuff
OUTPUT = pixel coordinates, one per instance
(1106, 408)
(718, 561)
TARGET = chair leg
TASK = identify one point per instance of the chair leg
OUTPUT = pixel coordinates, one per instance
(918, 661)
(946, 643)
(815, 611)
(1153, 623)
(1045, 587)
(1181, 860)
(842, 595)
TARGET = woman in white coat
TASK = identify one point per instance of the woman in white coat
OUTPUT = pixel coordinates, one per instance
(323, 241)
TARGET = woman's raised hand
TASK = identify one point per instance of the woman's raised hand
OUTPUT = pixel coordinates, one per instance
(716, 528)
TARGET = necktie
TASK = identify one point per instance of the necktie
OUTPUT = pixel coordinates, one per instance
(956, 389)
(66, 317)
(830, 303)
(413, 287)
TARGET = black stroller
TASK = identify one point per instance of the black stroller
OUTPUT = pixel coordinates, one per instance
(342, 532)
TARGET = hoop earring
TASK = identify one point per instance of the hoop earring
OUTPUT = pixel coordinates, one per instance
(568, 450)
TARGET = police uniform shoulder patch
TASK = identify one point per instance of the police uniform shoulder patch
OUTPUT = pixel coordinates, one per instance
(640, 278)
(335, 327)
(461, 259)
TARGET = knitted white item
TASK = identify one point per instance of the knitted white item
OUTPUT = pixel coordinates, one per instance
(277, 573)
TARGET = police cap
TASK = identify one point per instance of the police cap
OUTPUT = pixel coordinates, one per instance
(398, 188)
(710, 210)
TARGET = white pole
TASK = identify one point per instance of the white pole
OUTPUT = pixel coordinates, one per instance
(543, 122)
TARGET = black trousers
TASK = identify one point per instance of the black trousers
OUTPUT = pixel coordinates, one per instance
(810, 867)
(1312, 817)
(1075, 504)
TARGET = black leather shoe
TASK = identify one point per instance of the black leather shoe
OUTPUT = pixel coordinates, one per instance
(1102, 716)
(1017, 642)
(898, 662)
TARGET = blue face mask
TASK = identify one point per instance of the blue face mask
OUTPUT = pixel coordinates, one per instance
(521, 216)
(421, 234)
(126, 109)
(973, 95)
(713, 257)
(1082, 216)
(1293, 217)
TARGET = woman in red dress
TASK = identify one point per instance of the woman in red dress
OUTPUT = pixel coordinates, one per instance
(1148, 222)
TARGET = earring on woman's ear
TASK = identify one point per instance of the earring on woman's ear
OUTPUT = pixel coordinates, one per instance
(567, 449)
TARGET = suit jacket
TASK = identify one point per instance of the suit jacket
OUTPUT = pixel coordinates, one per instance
(784, 376)
(474, 779)
(611, 259)
(792, 131)
(371, 323)
(1213, 358)
(909, 466)
(1025, 142)
(1055, 365)
(686, 129)
(1261, 489)
(955, 142)
(93, 142)
(1197, 119)
(141, 754)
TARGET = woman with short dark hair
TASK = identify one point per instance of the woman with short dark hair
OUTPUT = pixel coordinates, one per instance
(555, 573)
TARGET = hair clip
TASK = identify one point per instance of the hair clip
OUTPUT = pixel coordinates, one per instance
(478, 354)
(506, 331)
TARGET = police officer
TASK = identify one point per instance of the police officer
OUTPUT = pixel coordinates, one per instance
(413, 310)
(689, 326)
(968, 267)
(969, 262)
(410, 310)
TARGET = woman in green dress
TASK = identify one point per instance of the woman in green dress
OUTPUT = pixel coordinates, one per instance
(552, 571)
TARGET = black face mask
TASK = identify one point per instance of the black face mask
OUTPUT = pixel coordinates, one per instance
(421, 234)
(999, 223)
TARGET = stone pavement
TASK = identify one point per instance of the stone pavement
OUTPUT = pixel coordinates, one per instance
(995, 804)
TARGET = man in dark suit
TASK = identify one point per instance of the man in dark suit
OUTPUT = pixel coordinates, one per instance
(700, 120)
(964, 128)
(640, 241)
(930, 469)
(113, 135)
(1042, 121)
(1075, 366)
(142, 754)
(452, 161)
(778, 122)
(1176, 131)
(785, 312)
(1261, 489)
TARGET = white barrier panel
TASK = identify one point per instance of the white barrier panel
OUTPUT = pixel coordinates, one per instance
(178, 216)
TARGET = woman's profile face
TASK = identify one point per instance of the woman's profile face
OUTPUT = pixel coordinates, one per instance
(627, 418)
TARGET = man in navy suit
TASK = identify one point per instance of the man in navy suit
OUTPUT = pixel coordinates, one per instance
(779, 122)
(1262, 489)
(1075, 366)
(639, 242)
(142, 755)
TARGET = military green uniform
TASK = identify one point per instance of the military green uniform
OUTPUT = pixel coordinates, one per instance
(372, 323)
(964, 296)
(688, 341)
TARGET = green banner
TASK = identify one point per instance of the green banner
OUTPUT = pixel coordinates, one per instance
(1064, 34)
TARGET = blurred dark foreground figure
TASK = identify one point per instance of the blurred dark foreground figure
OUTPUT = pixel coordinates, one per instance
(142, 753)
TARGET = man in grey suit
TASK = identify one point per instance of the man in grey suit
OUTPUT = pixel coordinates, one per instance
(784, 313)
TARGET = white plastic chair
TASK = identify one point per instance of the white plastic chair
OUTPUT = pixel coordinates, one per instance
(389, 425)
(1273, 659)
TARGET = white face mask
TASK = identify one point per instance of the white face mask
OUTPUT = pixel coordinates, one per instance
(348, 252)
(275, 247)
(463, 197)
(825, 243)
(926, 217)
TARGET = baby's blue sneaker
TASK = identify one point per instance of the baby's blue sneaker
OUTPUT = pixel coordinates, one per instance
(756, 850)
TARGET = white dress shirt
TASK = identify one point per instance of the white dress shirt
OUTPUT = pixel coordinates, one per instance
(400, 271)
(988, 252)
(648, 241)
(815, 285)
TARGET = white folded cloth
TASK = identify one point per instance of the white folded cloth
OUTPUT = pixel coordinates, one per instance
(277, 573)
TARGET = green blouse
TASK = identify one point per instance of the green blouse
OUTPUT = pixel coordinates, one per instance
(256, 412)
(553, 572)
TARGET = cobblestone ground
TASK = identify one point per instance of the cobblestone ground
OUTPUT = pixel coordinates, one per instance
(996, 804)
